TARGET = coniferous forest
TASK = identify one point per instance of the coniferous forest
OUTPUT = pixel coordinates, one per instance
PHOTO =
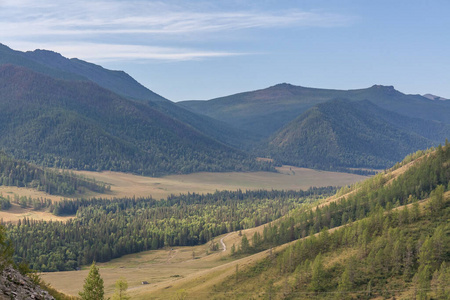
(391, 237)
(104, 229)
(22, 174)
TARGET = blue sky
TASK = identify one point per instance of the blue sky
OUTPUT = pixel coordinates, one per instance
(205, 49)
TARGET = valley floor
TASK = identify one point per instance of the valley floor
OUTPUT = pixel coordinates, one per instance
(129, 185)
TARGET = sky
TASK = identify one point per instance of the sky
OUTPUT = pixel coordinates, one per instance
(197, 49)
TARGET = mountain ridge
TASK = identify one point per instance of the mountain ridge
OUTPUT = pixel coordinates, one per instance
(281, 103)
(65, 123)
(343, 133)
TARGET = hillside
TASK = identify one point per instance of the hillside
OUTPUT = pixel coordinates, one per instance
(266, 111)
(59, 67)
(77, 124)
(55, 65)
(389, 238)
(345, 134)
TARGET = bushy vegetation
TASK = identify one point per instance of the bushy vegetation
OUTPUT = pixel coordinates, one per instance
(22, 174)
(106, 229)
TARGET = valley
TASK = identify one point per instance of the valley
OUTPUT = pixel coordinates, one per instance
(246, 196)
(129, 185)
(285, 271)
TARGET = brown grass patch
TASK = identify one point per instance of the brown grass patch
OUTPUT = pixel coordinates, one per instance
(288, 178)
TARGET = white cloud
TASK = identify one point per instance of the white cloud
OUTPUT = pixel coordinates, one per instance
(98, 52)
(125, 17)
(86, 29)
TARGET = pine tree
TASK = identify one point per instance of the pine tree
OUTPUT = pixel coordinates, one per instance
(93, 285)
(318, 274)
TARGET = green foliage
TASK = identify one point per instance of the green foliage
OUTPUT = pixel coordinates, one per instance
(106, 229)
(121, 287)
(93, 285)
(392, 250)
(318, 275)
(22, 174)
(6, 249)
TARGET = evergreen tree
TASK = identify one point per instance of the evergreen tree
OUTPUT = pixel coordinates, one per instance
(345, 285)
(318, 274)
(93, 285)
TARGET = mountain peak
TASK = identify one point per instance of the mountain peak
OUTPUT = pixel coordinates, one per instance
(47, 53)
(383, 87)
(285, 85)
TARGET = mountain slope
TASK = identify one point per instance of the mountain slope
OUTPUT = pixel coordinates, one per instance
(77, 124)
(389, 238)
(268, 110)
(59, 67)
(345, 134)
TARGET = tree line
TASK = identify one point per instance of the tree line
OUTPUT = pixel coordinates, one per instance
(105, 229)
(22, 174)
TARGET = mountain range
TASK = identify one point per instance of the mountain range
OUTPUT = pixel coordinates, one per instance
(333, 129)
(74, 114)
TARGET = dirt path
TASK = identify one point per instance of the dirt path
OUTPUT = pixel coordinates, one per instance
(224, 247)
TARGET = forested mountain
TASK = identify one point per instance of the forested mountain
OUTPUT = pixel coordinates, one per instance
(77, 124)
(391, 239)
(155, 136)
(59, 67)
(345, 134)
(268, 110)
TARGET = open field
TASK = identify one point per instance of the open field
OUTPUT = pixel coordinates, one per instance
(129, 185)
(16, 213)
(288, 178)
(167, 271)
(162, 269)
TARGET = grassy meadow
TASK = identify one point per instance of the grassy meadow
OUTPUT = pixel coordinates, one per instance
(128, 185)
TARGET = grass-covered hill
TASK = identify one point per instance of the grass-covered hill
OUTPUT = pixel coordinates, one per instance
(387, 237)
(78, 124)
(268, 110)
(344, 134)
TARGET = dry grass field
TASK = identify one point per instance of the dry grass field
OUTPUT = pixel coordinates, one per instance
(287, 178)
(129, 185)
(167, 271)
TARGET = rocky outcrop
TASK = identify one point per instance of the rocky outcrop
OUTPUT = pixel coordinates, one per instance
(14, 285)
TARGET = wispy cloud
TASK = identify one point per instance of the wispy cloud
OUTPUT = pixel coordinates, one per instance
(72, 21)
(99, 52)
